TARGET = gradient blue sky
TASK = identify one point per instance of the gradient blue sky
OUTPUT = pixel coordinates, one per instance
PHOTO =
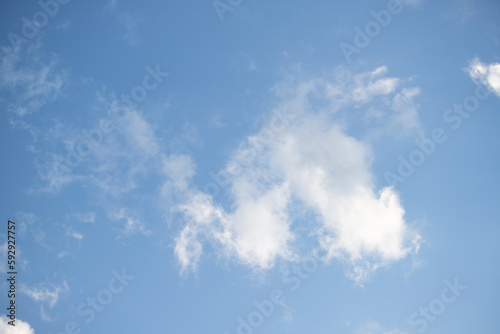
(222, 155)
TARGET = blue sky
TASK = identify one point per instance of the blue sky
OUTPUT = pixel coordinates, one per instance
(246, 167)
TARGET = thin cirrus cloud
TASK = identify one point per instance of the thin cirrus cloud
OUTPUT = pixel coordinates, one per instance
(485, 74)
(132, 225)
(312, 165)
(45, 294)
(87, 217)
(131, 34)
(132, 144)
(30, 222)
(33, 80)
(70, 232)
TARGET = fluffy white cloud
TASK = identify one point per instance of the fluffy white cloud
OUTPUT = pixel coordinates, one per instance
(256, 232)
(485, 74)
(306, 166)
(328, 172)
(20, 328)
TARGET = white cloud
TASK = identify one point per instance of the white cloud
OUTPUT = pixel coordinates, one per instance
(88, 217)
(140, 134)
(45, 293)
(32, 82)
(459, 11)
(188, 136)
(387, 108)
(130, 151)
(405, 117)
(28, 222)
(368, 85)
(309, 165)
(328, 171)
(114, 165)
(345, 88)
(188, 249)
(70, 232)
(44, 315)
(26, 218)
(53, 180)
(62, 254)
(21, 327)
(132, 225)
(178, 169)
(251, 63)
(256, 232)
(485, 74)
(111, 4)
(131, 35)
(65, 26)
(122, 161)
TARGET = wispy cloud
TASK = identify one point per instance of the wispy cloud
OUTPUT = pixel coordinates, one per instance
(179, 169)
(132, 225)
(64, 26)
(130, 24)
(459, 11)
(29, 222)
(88, 217)
(53, 180)
(45, 293)
(111, 4)
(70, 232)
(114, 165)
(31, 80)
(44, 315)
